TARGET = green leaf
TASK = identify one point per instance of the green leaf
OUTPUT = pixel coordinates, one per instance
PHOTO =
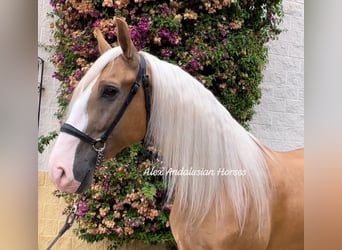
(44, 141)
(149, 190)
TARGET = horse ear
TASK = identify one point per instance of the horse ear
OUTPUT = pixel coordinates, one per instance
(103, 45)
(124, 38)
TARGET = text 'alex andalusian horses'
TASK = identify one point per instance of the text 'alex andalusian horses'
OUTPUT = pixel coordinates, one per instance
(127, 96)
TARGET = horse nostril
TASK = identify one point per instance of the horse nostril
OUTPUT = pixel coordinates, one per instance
(63, 179)
(59, 176)
(61, 173)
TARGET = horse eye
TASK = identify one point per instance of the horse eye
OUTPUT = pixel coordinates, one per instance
(109, 92)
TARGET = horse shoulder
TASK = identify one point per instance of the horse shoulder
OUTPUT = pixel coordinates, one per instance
(287, 178)
(219, 233)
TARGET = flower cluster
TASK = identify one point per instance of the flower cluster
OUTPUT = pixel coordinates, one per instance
(220, 42)
(123, 204)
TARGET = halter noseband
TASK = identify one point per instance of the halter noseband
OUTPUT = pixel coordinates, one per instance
(99, 144)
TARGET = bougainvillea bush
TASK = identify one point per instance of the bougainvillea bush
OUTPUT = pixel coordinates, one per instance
(220, 42)
(124, 204)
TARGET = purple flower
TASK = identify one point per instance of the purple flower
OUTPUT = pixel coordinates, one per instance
(164, 9)
(93, 51)
(139, 33)
(57, 76)
(132, 13)
(90, 44)
(153, 228)
(106, 186)
(53, 3)
(111, 34)
(195, 65)
(133, 223)
(71, 89)
(143, 25)
(134, 33)
(97, 23)
(166, 34)
(76, 47)
(82, 209)
(224, 31)
(194, 52)
(78, 74)
(174, 38)
(204, 55)
(59, 58)
(166, 52)
(160, 193)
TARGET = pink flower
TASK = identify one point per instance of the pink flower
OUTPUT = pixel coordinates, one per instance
(82, 209)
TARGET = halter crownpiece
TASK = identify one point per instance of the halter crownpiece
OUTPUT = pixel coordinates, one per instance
(99, 145)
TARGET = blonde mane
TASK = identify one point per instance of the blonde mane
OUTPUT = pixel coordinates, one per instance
(195, 132)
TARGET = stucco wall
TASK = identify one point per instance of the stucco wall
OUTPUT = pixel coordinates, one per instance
(48, 121)
(279, 119)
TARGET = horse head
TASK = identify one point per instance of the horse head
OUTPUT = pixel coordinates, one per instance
(106, 113)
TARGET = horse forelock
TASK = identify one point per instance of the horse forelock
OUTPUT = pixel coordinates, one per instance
(193, 131)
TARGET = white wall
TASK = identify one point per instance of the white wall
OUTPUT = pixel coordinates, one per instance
(48, 122)
(279, 119)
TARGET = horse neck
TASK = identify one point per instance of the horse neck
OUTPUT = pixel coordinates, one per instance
(195, 132)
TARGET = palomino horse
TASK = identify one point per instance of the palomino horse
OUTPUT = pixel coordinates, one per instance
(236, 193)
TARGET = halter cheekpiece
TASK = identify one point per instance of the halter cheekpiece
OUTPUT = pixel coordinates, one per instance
(99, 145)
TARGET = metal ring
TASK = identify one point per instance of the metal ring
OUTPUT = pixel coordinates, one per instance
(99, 146)
(74, 208)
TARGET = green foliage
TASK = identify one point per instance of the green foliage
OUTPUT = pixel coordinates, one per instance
(221, 43)
(149, 190)
(44, 140)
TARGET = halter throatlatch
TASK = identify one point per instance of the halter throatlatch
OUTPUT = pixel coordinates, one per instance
(99, 145)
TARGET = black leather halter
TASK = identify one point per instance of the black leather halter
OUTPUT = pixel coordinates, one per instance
(99, 144)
